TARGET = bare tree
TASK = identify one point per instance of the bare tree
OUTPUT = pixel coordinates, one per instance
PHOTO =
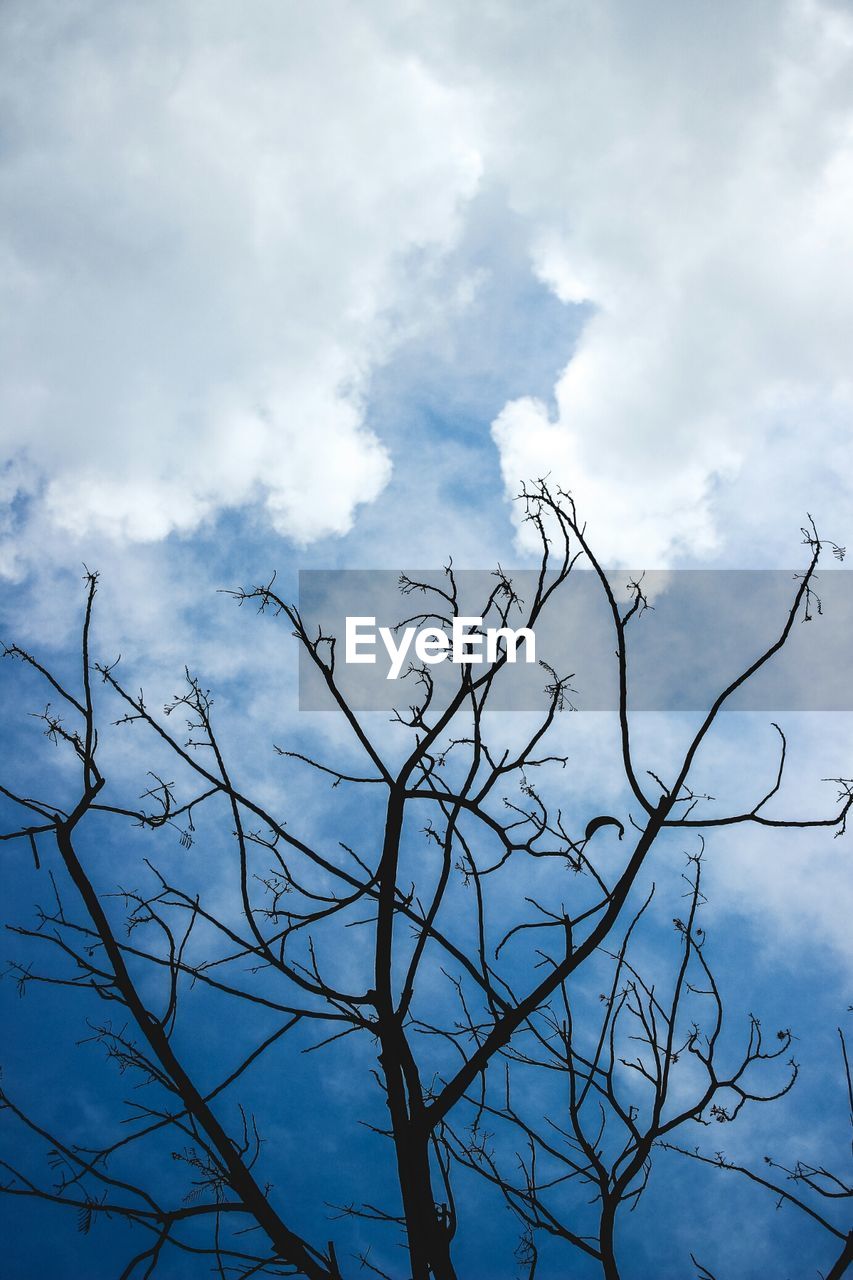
(461, 1008)
(624, 1097)
(812, 1183)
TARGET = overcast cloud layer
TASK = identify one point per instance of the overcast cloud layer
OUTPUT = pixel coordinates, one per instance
(221, 221)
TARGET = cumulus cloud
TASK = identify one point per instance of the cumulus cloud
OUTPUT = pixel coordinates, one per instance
(220, 222)
(211, 225)
(688, 173)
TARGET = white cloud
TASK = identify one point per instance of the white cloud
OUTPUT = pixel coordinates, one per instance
(221, 221)
(211, 217)
(688, 171)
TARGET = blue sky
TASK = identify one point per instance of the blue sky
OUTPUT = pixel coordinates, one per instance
(297, 286)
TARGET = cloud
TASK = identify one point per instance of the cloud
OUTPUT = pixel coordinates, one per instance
(222, 224)
(214, 228)
(688, 173)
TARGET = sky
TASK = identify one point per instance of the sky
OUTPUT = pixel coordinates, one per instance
(319, 286)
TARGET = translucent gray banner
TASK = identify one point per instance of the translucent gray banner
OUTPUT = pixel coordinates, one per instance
(704, 627)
